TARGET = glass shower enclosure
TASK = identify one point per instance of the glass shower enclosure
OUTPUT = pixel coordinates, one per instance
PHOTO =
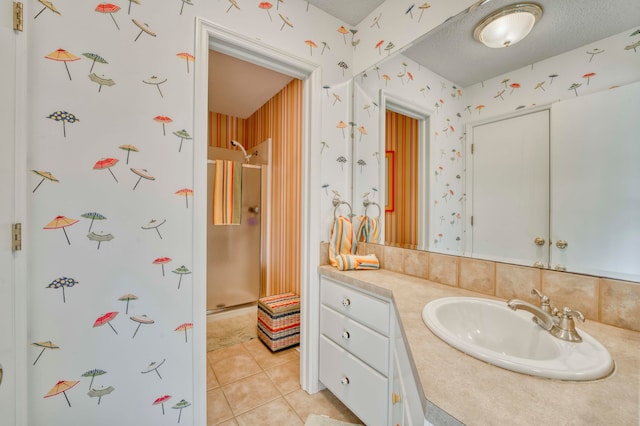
(233, 251)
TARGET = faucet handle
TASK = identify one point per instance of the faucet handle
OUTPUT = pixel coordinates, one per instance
(565, 327)
(571, 313)
(545, 303)
(540, 295)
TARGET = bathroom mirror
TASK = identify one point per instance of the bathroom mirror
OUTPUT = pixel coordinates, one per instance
(398, 147)
(456, 103)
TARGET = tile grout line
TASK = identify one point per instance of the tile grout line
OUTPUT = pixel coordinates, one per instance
(263, 371)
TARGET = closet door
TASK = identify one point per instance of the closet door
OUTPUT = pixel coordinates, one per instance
(595, 175)
(510, 189)
(13, 288)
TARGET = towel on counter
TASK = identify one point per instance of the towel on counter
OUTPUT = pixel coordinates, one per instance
(369, 229)
(343, 239)
(227, 193)
(346, 262)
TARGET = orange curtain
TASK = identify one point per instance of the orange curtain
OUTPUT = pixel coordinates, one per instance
(401, 137)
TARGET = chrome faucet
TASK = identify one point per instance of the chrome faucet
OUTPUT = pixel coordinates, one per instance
(559, 324)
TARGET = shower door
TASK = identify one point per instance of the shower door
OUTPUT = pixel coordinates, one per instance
(233, 251)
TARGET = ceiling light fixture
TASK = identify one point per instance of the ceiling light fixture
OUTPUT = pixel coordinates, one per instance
(508, 25)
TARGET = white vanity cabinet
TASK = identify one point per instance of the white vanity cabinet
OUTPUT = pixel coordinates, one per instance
(358, 359)
(407, 407)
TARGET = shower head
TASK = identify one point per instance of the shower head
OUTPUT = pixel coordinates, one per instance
(244, 152)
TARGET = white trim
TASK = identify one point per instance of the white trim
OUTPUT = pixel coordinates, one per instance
(506, 116)
(393, 102)
(20, 206)
(467, 231)
(208, 34)
(200, 150)
(310, 234)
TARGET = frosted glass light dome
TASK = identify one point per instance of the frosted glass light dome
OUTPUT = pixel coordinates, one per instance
(507, 26)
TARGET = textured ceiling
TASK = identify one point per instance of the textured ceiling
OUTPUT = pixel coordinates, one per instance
(450, 50)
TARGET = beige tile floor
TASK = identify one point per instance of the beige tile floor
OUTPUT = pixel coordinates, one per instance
(247, 384)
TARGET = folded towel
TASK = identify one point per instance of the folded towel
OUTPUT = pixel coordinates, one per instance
(369, 229)
(347, 262)
(227, 193)
(342, 239)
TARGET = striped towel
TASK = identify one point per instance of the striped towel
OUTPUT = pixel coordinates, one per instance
(347, 262)
(342, 239)
(227, 193)
(369, 229)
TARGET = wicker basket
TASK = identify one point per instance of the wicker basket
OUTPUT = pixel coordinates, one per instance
(279, 321)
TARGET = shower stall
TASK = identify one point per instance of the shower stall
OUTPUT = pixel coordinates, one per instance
(234, 251)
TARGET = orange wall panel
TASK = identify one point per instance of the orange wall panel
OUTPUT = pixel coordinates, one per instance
(401, 137)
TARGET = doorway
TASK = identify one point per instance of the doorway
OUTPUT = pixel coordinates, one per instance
(209, 35)
(401, 206)
(394, 112)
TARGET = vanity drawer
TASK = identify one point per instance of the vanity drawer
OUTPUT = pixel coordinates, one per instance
(366, 309)
(366, 344)
(357, 385)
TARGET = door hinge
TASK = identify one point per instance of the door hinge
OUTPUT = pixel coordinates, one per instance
(472, 148)
(471, 220)
(16, 237)
(17, 16)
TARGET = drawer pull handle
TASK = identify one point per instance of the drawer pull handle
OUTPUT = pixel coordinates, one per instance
(345, 381)
(346, 335)
(346, 302)
(395, 398)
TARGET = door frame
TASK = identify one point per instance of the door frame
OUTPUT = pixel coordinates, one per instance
(16, 373)
(209, 34)
(393, 102)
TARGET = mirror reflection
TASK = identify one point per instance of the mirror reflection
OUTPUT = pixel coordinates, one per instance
(440, 73)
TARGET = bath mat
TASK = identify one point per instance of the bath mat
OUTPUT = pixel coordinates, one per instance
(230, 331)
(317, 420)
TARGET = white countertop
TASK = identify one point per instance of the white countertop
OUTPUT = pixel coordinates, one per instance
(477, 393)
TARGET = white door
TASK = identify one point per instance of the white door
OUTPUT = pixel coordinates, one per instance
(13, 384)
(595, 196)
(510, 189)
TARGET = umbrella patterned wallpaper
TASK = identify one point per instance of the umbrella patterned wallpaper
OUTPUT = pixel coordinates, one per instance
(111, 153)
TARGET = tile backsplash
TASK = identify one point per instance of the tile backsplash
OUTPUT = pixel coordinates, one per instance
(605, 300)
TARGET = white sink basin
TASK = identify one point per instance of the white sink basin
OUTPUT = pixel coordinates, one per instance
(490, 331)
